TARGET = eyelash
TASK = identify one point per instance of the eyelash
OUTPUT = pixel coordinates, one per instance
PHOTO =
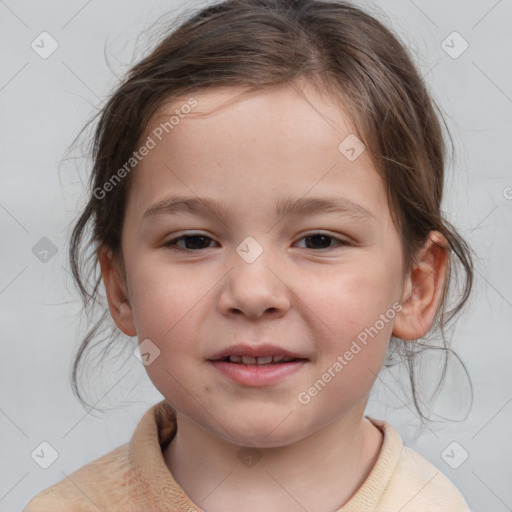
(171, 244)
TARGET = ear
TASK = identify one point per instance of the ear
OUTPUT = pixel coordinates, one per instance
(423, 289)
(117, 296)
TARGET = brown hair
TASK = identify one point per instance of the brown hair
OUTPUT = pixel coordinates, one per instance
(261, 45)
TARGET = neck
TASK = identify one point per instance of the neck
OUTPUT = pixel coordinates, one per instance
(320, 472)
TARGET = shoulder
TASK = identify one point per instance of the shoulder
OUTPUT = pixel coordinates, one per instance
(419, 486)
(98, 484)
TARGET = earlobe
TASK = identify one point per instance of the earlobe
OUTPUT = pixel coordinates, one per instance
(117, 296)
(423, 289)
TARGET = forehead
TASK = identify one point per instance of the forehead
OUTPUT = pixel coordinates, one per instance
(232, 144)
(292, 111)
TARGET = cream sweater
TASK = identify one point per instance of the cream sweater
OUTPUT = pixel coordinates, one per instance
(135, 478)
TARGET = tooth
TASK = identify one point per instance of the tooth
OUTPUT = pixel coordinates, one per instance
(264, 360)
(260, 360)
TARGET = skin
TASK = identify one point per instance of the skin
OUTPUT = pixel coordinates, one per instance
(251, 152)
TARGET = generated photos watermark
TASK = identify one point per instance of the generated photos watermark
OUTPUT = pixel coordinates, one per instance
(304, 397)
(150, 143)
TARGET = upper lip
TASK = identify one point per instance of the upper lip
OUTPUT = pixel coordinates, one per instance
(255, 351)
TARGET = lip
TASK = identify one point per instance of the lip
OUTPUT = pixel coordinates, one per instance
(263, 350)
(255, 375)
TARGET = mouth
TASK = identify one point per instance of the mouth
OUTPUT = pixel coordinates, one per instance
(262, 354)
(257, 366)
(258, 361)
(258, 371)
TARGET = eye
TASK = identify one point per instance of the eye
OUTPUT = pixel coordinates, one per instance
(318, 238)
(197, 242)
(193, 241)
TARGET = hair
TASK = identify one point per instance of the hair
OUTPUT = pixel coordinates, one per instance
(343, 52)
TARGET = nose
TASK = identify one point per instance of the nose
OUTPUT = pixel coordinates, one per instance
(254, 289)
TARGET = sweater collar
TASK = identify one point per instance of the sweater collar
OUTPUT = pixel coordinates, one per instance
(152, 484)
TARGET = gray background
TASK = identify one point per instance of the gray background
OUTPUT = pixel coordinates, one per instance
(43, 105)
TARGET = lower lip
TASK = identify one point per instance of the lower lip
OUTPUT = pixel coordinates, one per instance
(255, 375)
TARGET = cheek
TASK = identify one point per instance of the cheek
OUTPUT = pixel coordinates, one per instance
(166, 303)
(353, 313)
(353, 297)
(167, 311)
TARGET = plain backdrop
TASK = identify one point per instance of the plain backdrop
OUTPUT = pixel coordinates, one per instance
(44, 102)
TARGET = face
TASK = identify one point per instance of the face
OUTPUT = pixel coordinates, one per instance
(313, 282)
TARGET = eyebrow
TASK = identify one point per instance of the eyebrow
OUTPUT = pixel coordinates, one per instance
(285, 206)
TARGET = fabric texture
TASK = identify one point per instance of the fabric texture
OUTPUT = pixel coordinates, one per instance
(135, 478)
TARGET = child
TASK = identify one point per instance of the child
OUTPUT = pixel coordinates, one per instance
(257, 128)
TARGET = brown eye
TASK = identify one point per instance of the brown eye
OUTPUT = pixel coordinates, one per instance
(321, 241)
(192, 243)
